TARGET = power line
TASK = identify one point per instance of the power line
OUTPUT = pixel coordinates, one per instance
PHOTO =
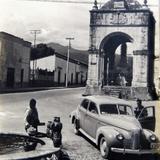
(63, 1)
(67, 68)
(80, 2)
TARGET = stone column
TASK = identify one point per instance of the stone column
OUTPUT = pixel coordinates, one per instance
(140, 70)
(101, 69)
(123, 58)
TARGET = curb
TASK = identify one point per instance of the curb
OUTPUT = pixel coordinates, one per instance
(19, 90)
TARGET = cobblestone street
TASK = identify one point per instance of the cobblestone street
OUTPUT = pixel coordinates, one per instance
(57, 103)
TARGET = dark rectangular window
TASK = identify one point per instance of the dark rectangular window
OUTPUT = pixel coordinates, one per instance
(108, 109)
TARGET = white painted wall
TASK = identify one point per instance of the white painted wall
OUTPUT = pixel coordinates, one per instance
(47, 63)
(61, 65)
(56, 64)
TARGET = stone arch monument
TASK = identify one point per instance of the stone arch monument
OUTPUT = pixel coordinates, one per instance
(121, 44)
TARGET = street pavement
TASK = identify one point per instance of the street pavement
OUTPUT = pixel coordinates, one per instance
(57, 102)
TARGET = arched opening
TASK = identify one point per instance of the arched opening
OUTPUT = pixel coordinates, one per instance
(118, 60)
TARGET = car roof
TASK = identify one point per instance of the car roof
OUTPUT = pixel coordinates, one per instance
(103, 99)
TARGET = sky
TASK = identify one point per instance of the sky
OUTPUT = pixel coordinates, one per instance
(55, 20)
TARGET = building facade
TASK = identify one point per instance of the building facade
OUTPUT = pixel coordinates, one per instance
(123, 30)
(77, 70)
(51, 70)
(14, 61)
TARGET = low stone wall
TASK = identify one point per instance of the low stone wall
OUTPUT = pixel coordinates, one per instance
(124, 92)
(130, 93)
(15, 150)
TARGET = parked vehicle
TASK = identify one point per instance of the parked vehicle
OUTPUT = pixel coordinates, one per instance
(111, 124)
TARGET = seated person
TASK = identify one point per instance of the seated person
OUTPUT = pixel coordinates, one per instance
(31, 117)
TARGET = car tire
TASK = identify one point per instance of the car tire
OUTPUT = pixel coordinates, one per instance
(76, 130)
(104, 149)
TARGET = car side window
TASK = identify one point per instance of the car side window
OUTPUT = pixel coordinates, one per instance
(124, 109)
(85, 103)
(93, 108)
(108, 109)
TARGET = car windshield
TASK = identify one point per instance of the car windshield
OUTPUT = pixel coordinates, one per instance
(108, 109)
(125, 109)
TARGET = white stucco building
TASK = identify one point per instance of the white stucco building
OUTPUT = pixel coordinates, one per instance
(51, 70)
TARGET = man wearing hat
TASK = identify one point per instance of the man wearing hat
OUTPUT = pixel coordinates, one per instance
(139, 108)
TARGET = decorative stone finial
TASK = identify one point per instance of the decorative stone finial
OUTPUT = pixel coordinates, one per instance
(95, 7)
(145, 2)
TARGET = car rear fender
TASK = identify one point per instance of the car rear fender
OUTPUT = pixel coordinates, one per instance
(109, 133)
(74, 115)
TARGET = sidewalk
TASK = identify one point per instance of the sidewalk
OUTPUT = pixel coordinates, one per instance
(29, 89)
(32, 89)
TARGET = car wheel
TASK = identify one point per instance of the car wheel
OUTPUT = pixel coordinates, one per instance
(104, 149)
(76, 130)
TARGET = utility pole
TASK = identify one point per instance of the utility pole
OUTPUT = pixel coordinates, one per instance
(35, 32)
(67, 68)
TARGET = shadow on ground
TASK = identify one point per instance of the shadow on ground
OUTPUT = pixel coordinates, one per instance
(67, 155)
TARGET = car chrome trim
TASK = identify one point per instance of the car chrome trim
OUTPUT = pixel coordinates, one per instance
(132, 151)
(87, 135)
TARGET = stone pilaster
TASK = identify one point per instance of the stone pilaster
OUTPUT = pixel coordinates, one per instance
(140, 63)
(93, 70)
(93, 81)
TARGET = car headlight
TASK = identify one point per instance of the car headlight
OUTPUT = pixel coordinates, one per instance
(120, 137)
(153, 138)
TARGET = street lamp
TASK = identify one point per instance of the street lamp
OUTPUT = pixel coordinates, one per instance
(67, 68)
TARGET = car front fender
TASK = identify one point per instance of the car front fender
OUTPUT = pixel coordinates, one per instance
(109, 133)
(148, 133)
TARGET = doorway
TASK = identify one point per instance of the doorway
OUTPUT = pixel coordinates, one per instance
(22, 74)
(59, 76)
(10, 77)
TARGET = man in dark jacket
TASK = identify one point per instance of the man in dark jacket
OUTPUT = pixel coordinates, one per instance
(31, 116)
(139, 109)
